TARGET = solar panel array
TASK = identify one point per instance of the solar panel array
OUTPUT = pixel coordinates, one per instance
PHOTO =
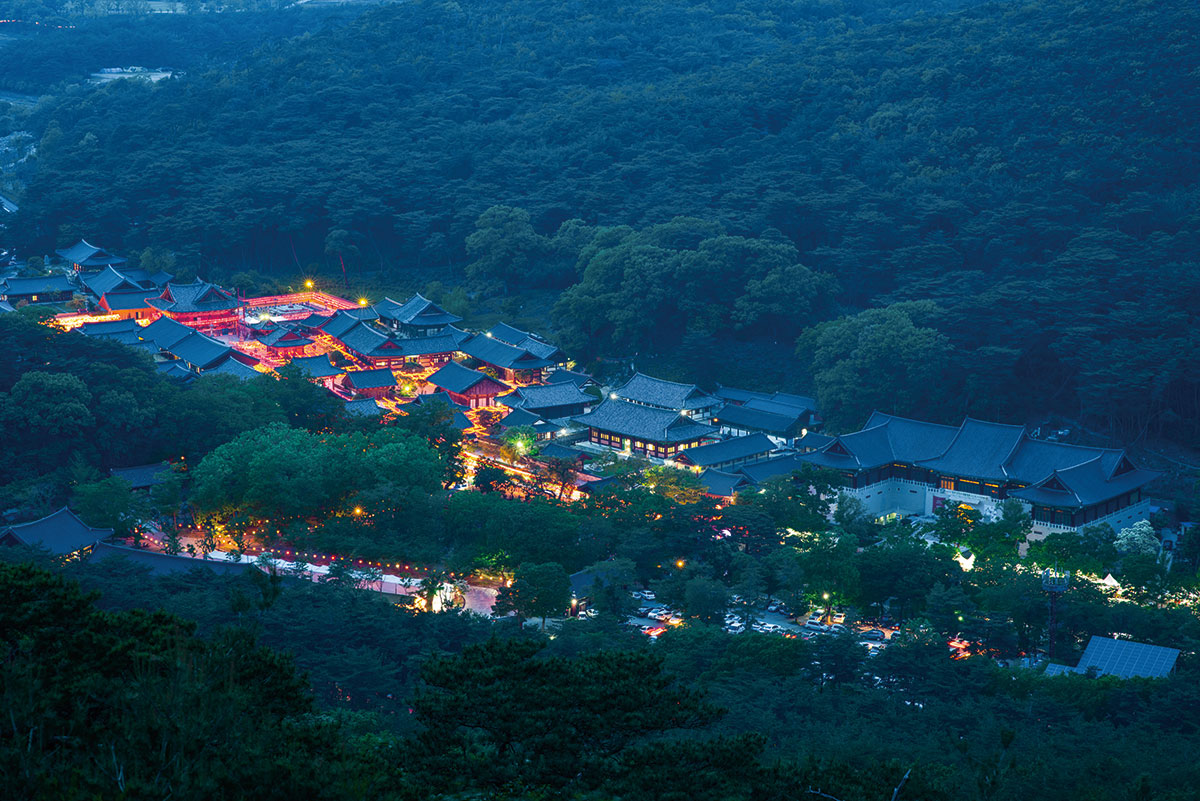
(1127, 659)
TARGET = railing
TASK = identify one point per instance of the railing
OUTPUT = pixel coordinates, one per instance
(311, 296)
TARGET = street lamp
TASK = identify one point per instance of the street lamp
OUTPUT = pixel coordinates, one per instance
(680, 563)
(309, 283)
(362, 301)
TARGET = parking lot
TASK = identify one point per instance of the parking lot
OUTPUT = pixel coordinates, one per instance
(654, 619)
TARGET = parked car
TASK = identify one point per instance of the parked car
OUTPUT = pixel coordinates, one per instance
(816, 626)
(874, 635)
(838, 628)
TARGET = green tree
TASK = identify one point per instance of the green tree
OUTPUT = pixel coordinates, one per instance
(537, 590)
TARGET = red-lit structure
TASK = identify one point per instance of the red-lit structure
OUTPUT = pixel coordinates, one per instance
(199, 304)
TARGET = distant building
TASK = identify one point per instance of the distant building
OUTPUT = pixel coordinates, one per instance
(62, 533)
(85, 257)
(786, 419)
(198, 304)
(142, 477)
(466, 387)
(378, 383)
(897, 466)
(415, 317)
(645, 430)
(43, 289)
(551, 400)
(529, 342)
(685, 399)
(512, 363)
(729, 453)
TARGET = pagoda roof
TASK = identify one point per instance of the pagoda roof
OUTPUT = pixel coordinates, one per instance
(85, 254)
(728, 450)
(60, 533)
(644, 423)
(417, 310)
(37, 285)
(314, 320)
(198, 296)
(371, 379)
(453, 377)
(500, 354)
(521, 417)
(317, 366)
(665, 394)
(200, 350)
(775, 407)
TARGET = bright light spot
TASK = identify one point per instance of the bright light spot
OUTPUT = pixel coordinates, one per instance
(613, 395)
(362, 301)
(488, 335)
(309, 283)
(680, 563)
(358, 510)
(825, 596)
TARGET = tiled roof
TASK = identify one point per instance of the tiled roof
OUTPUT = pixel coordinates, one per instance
(176, 371)
(113, 280)
(774, 407)
(234, 368)
(198, 296)
(363, 407)
(367, 340)
(126, 301)
(45, 284)
(428, 346)
(978, 450)
(721, 484)
(285, 338)
(757, 420)
(665, 394)
(109, 327)
(453, 377)
(317, 366)
(494, 352)
(728, 450)
(371, 379)
(569, 377)
(200, 351)
(521, 417)
(338, 324)
(643, 422)
(60, 533)
(735, 395)
(417, 311)
(437, 397)
(88, 255)
(165, 332)
(161, 564)
(545, 396)
(763, 471)
(799, 401)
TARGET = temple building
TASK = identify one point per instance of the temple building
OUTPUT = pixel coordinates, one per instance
(198, 304)
(529, 342)
(416, 317)
(86, 257)
(729, 453)
(431, 352)
(377, 383)
(41, 289)
(645, 430)
(897, 466)
(466, 387)
(550, 400)
(319, 369)
(61, 533)
(111, 279)
(513, 364)
(685, 399)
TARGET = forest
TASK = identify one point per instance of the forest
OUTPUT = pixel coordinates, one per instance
(1021, 170)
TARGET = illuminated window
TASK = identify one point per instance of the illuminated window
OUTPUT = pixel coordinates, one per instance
(946, 483)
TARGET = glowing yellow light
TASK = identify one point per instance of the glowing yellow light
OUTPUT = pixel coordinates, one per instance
(309, 283)
(362, 301)
(358, 510)
(679, 564)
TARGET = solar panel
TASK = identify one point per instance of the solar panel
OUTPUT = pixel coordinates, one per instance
(1127, 659)
(1058, 670)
